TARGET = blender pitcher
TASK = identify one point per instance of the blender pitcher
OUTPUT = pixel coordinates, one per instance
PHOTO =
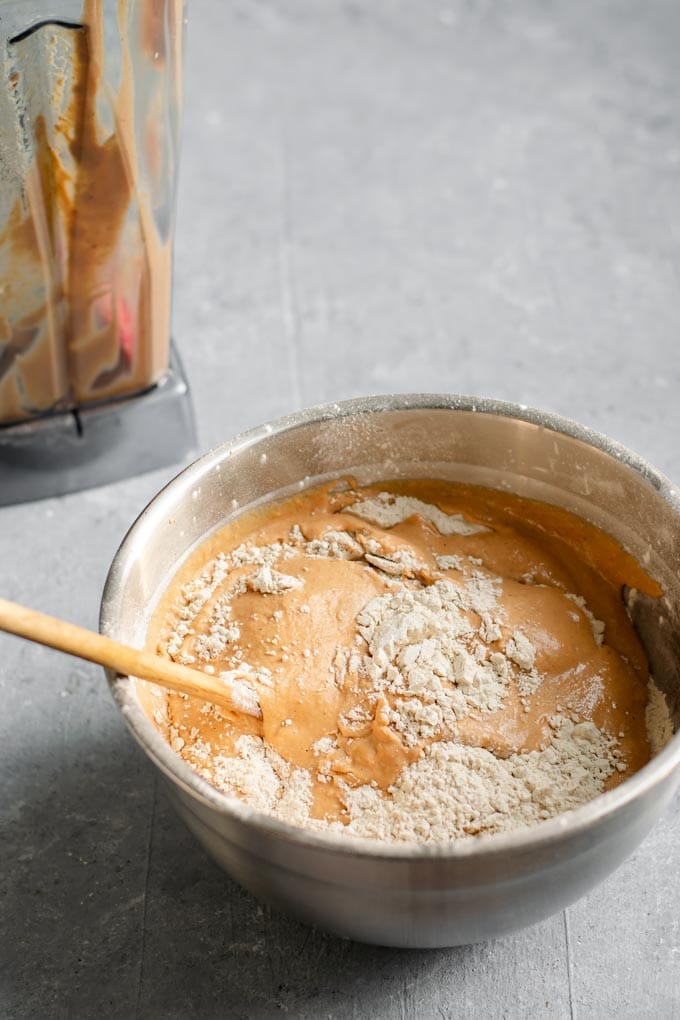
(90, 96)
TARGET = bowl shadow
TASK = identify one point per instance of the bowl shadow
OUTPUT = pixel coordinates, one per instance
(112, 909)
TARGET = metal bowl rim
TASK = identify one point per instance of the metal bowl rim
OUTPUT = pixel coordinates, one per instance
(181, 774)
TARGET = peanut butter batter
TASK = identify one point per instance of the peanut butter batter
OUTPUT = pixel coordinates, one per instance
(388, 628)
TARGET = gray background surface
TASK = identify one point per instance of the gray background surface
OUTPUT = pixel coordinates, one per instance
(385, 196)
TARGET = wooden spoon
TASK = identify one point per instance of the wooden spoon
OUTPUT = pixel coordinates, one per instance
(86, 644)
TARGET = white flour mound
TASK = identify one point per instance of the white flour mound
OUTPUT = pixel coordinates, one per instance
(265, 780)
(455, 791)
(386, 510)
(419, 645)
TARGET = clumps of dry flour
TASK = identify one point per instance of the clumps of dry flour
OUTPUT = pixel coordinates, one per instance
(419, 647)
(596, 625)
(265, 780)
(451, 792)
(455, 791)
(386, 510)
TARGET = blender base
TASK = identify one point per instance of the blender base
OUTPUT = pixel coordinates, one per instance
(97, 445)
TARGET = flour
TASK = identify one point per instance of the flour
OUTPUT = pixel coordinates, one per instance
(456, 791)
(248, 554)
(222, 631)
(490, 628)
(270, 582)
(449, 562)
(193, 598)
(260, 776)
(423, 649)
(657, 718)
(195, 595)
(520, 650)
(335, 545)
(398, 564)
(241, 689)
(386, 510)
(325, 745)
(597, 626)
(479, 593)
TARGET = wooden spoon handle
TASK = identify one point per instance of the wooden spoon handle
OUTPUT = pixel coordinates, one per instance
(86, 644)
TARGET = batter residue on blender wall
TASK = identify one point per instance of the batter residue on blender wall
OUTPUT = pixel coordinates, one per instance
(85, 247)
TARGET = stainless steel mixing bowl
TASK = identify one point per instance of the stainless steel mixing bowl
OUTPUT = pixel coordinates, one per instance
(406, 895)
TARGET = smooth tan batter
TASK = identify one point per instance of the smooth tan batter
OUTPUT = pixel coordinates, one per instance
(543, 556)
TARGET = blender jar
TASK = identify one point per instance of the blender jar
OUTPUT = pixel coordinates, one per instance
(90, 95)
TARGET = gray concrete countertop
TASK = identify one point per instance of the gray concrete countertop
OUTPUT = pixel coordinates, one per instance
(385, 196)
